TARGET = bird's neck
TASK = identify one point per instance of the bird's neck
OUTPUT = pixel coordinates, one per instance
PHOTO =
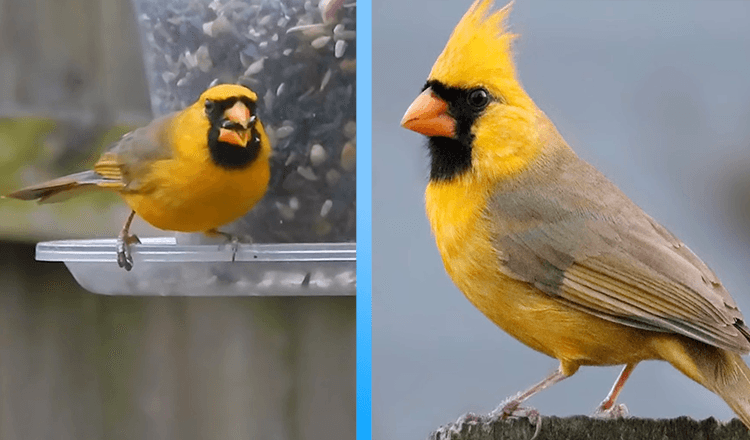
(453, 209)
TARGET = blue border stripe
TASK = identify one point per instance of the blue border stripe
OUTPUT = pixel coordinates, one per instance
(364, 219)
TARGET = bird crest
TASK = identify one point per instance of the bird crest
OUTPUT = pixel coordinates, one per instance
(479, 50)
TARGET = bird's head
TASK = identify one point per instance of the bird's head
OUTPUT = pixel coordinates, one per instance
(477, 116)
(235, 134)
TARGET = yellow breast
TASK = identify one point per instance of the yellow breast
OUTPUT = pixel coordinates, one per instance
(198, 196)
(463, 236)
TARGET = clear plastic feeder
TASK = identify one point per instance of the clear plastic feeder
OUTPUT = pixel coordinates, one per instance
(299, 57)
(162, 267)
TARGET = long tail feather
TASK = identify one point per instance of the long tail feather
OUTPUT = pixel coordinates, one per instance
(62, 188)
(721, 371)
(734, 387)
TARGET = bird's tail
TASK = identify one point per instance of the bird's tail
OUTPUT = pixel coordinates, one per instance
(732, 383)
(62, 188)
(721, 371)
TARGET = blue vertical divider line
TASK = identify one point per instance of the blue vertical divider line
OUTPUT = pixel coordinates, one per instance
(364, 219)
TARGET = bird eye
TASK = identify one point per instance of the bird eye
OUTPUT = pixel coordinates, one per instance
(478, 98)
(209, 106)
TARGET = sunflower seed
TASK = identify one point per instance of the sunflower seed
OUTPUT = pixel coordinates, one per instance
(326, 78)
(307, 173)
(318, 155)
(348, 157)
(319, 42)
(294, 203)
(284, 131)
(339, 48)
(255, 67)
(326, 208)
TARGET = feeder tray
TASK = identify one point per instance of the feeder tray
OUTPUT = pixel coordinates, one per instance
(165, 268)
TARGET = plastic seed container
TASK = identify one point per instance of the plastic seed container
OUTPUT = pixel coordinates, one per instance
(299, 58)
(162, 267)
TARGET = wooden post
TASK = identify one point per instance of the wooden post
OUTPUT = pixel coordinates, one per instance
(583, 427)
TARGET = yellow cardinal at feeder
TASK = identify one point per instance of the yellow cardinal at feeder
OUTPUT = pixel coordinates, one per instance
(189, 171)
(548, 248)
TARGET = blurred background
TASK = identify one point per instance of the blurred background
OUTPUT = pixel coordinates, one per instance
(655, 95)
(74, 365)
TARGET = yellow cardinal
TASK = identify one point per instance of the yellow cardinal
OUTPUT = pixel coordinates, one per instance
(189, 171)
(548, 248)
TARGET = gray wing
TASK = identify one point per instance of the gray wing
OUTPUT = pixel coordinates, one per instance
(123, 167)
(125, 163)
(581, 240)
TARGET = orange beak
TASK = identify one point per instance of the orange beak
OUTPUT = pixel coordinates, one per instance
(428, 115)
(235, 137)
(239, 114)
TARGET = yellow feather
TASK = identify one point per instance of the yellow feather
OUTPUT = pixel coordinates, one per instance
(479, 54)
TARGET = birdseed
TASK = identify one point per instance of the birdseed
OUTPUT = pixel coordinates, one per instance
(293, 55)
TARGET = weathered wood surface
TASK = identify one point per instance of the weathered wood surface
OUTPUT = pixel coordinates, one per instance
(71, 58)
(70, 71)
(75, 365)
(587, 428)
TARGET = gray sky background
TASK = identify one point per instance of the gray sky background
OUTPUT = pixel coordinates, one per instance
(654, 94)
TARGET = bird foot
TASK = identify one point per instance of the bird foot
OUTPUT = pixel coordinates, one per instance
(469, 418)
(618, 411)
(512, 409)
(232, 239)
(124, 256)
(235, 247)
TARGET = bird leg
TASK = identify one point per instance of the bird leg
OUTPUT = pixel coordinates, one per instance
(608, 409)
(124, 240)
(512, 406)
(231, 238)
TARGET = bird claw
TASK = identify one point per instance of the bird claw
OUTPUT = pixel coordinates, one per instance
(233, 240)
(124, 256)
(618, 411)
(469, 418)
(512, 409)
(235, 247)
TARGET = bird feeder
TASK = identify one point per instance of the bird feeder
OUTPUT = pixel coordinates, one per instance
(299, 57)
